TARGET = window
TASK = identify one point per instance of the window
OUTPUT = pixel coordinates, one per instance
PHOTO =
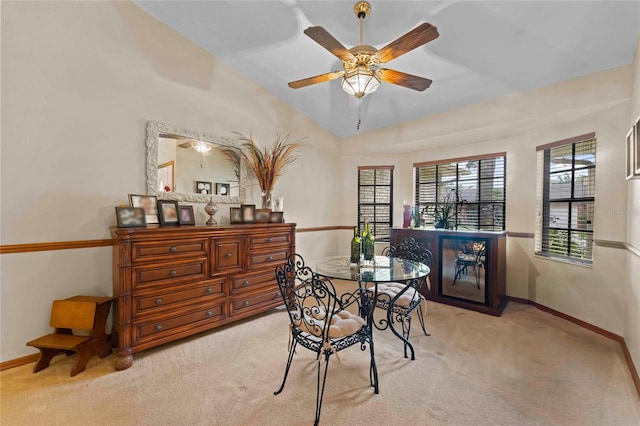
(375, 199)
(565, 198)
(476, 184)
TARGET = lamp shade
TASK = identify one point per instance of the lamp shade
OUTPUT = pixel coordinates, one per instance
(360, 82)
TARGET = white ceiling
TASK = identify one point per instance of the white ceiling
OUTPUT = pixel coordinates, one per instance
(486, 49)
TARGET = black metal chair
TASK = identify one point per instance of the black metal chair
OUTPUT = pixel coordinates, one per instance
(320, 320)
(389, 294)
(471, 254)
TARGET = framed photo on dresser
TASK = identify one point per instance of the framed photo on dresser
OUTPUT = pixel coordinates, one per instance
(130, 217)
(186, 216)
(168, 212)
(248, 213)
(150, 205)
(235, 215)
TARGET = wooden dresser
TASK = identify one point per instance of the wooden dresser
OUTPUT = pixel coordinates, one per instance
(174, 282)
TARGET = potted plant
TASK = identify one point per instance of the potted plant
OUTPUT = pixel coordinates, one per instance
(445, 213)
(268, 162)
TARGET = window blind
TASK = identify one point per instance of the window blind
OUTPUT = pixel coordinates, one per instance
(476, 184)
(375, 199)
(565, 199)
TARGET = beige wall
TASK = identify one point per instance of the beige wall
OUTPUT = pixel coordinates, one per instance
(517, 124)
(80, 81)
(632, 214)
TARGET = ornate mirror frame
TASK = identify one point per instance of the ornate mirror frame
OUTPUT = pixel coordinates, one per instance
(154, 130)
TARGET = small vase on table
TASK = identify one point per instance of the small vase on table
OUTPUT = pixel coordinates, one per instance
(211, 209)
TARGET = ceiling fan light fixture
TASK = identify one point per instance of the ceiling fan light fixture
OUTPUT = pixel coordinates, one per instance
(201, 147)
(360, 82)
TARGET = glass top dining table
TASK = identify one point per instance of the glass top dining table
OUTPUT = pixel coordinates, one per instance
(381, 269)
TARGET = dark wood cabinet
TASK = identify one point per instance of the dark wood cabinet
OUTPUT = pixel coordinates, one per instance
(469, 268)
(171, 283)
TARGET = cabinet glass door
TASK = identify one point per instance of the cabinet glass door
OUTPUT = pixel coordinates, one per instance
(463, 266)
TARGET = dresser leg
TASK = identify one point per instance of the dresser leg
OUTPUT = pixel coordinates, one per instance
(123, 361)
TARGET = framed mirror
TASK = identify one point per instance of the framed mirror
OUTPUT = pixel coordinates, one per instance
(186, 165)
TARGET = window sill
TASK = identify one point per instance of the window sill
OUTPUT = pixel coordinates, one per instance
(588, 265)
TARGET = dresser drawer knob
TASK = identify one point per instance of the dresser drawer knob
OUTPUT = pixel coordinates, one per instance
(173, 273)
(158, 327)
(158, 301)
(270, 259)
(209, 313)
(209, 290)
(173, 249)
(245, 283)
(245, 303)
(269, 240)
(228, 254)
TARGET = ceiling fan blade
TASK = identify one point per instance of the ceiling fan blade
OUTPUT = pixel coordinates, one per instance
(316, 79)
(422, 34)
(403, 79)
(326, 40)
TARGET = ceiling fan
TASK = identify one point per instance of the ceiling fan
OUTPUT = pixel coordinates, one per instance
(362, 73)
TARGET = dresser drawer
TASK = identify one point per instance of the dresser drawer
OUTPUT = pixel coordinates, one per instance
(169, 274)
(227, 255)
(240, 305)
(270, 258)
(163, 250)
(159, 327)
(248, 282)
(158, 301)
(263, 241)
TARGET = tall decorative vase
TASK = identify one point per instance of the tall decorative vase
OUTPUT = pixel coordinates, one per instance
(406, 217)
(211, 209)
(266, 199)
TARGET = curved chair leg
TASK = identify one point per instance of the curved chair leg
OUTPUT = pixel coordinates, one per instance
(320, 388)
(373, 369)
(292, 350)
(46, 355)
(406, 330)
(421, 319)
(84, 355)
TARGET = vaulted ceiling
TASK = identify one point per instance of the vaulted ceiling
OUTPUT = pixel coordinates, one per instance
(486, 49)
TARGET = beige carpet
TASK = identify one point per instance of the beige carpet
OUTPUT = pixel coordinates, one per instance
(525, 368)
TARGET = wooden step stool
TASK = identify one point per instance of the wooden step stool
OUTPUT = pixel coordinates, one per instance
(86, 313)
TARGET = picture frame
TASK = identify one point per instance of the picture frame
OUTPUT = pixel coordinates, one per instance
(168, 212)
(276, 217)
(186, 215)
(235, 215)
(203, 187)
(130, 217)
(223, 188)
(263, 215)
(150, 205)
(636, 148)
(630, 152)
(248, 213)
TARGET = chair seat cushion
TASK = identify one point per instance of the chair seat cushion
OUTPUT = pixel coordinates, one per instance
(392, 289)
(343, 323)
